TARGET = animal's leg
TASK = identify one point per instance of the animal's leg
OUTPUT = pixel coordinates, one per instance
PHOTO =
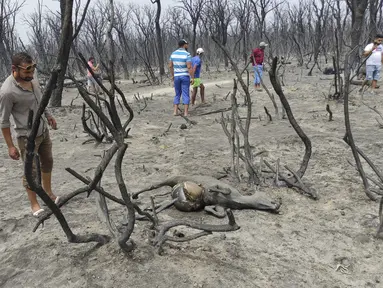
(243, 202)
(267, 205)
(216, 211)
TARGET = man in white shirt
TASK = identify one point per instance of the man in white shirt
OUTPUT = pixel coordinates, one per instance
(374, 62)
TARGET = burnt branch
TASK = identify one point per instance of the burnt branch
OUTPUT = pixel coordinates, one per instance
(98, 188)
(108, 195)
(167, 130)
(216, 111)
(63, 200)
(96, 136)
(127, 106)
(379, 233)
(190, 122)
(93, 105)
(161, 208)
(248, 157)
(366, 158)
(278, 89)
(380, 122)
(329, 112)
(349, 139)
(268, 114)
(73, 238)
(296, 184)
(124, 240)
(271, 95)
(207, 229)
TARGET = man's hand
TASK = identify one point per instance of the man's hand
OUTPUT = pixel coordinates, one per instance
(192, 81)
(14, 153)
(52, 122)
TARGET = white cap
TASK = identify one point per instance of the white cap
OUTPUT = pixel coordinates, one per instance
(200, 51)
(263, 44)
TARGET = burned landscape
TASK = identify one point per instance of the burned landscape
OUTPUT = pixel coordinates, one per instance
(305, 149)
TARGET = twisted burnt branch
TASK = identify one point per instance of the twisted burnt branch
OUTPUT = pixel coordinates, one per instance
(108, 195)
(63, 200)
(66, 34)
(271, 95)
(268, 114)
(329, 112)
(349, 139)
(36, 187)
(207, 229)
(248, 157)
(294, 182)
(97, 137)
(278, 89)
(380, 123)
(124, 241)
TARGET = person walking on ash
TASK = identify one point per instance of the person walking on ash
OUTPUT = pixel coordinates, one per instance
(19, 94)
(181, 71)
(92, 84)
(374, 62)
(257, 58)
(197, 66)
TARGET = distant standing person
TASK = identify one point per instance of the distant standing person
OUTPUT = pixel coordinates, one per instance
(197, 65)
(257, 57)
(374, 62)
(181, 72)
(91, 81)
(19, 94)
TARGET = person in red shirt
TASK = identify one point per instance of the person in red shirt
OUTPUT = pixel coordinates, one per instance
(257, 57)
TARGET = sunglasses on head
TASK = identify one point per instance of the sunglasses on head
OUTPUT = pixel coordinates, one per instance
(29, 67)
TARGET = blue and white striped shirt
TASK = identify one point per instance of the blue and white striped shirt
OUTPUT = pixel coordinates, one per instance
(179, 58)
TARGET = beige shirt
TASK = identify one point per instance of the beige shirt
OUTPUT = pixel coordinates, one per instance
(17, 101)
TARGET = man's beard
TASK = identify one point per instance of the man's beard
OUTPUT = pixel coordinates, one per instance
(26, 79)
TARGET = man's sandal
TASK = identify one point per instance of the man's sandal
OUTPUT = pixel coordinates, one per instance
(37, 213)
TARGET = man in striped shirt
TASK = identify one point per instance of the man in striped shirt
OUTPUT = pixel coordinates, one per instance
(182, 74)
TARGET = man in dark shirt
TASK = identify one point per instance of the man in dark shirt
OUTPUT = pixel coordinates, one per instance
(257, 57)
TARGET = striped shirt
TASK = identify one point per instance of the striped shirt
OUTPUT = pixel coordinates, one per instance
(179, 58)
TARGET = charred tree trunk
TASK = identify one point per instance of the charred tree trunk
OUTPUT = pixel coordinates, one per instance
(159, 38)
(358, 9)
(65, 7)
(374, 8)
(194, 37)
(194, 8)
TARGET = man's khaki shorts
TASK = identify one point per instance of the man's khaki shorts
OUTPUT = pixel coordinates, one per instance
(43, 148)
